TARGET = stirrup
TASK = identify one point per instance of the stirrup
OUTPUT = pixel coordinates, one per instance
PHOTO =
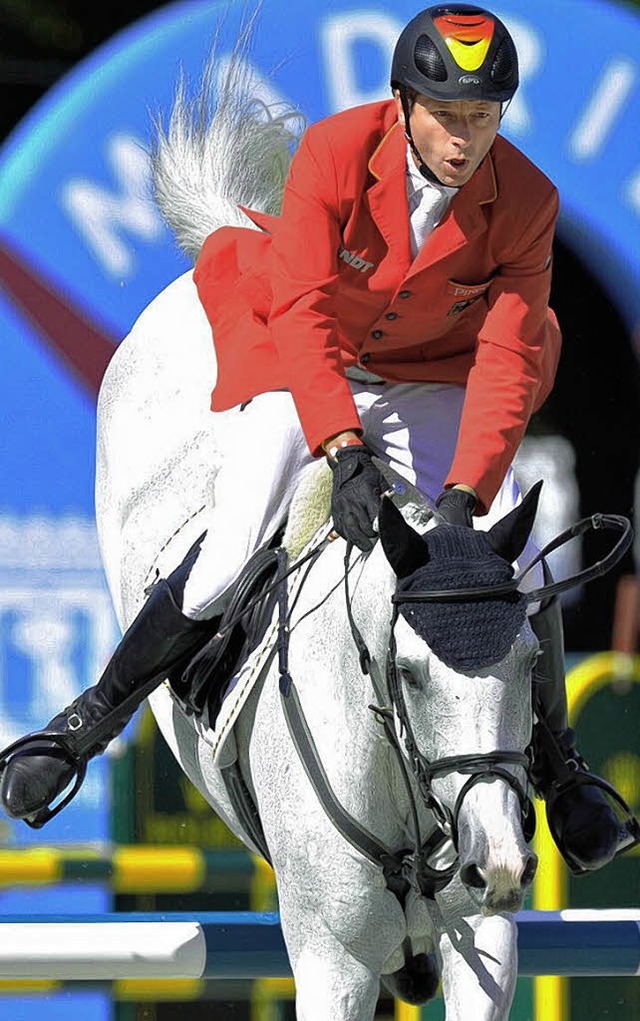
(29, 745)
(583, 777)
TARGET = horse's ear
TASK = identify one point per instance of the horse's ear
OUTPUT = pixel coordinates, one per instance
(405, 549)
(509, 535)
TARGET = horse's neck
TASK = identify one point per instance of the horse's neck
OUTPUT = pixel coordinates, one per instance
(320, 621)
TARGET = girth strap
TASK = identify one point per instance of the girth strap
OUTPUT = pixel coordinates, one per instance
(244, 806)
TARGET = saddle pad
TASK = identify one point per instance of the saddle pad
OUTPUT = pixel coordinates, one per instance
(310, 508)
(311, 504)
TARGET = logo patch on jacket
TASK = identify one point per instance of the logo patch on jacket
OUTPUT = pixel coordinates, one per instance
(460, 306)
(467, 294)
(355, 261)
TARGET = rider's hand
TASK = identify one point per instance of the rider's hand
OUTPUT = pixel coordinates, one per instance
(355, 499)
(456, 506)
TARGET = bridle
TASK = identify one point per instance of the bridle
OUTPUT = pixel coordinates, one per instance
(409, 867)
(481, 767)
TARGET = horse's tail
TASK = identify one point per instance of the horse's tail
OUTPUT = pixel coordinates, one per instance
(226, 146)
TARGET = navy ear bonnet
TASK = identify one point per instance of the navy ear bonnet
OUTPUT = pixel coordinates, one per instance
(465, 635)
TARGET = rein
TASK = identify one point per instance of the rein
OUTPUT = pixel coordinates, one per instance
(595, 523)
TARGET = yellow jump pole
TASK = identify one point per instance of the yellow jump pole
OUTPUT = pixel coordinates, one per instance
(406, 1012)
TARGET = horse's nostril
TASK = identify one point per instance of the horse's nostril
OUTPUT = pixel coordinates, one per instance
(472, 877)
(529, 872)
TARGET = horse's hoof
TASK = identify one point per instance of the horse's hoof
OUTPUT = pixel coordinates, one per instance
(31, 782)
(417, 982)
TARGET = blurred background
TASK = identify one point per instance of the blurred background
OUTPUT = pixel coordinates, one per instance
(83, 250)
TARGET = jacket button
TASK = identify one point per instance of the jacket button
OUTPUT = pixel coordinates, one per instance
(404, 294)
(377, 334)
(365, 359)
(391, 315)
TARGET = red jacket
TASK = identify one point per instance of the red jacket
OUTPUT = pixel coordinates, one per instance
(331, 282)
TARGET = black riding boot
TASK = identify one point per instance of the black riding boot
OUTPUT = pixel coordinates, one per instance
(159, 640)
(581, 817)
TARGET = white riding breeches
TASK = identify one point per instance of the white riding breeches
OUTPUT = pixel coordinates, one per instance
(413, 427)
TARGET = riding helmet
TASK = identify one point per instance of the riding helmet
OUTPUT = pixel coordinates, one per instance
(456, 51)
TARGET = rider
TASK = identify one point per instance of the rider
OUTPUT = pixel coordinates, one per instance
(397, 307)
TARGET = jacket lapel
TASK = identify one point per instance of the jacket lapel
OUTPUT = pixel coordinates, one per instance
(387, 197)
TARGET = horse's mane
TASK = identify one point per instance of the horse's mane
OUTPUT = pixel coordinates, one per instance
(225, 146)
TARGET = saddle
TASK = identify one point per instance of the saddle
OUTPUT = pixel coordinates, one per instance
(203, 682)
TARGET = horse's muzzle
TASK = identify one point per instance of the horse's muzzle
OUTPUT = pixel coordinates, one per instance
(501, 888)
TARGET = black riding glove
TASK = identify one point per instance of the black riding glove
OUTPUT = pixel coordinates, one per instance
(355, 499)
(456, 507)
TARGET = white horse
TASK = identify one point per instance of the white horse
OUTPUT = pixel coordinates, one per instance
(349, 917)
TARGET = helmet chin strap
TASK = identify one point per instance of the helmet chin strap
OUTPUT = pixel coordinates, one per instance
(426, 171)
(422, 166)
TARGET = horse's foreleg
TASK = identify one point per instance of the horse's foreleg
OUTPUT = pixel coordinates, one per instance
(339, 937)
(479, 967)
(331, 985)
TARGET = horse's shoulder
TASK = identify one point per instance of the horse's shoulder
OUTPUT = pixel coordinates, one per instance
(172, 313)
(169, 348)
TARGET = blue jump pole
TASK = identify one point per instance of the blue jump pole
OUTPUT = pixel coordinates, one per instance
(247, 945)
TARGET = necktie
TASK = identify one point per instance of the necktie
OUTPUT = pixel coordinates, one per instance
(426, 208)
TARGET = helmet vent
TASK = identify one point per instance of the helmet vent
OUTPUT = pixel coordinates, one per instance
(504, 64)
(428, 60)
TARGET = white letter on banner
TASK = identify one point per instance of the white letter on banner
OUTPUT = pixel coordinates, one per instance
(604, 106)
(530, 49)
(101, 215)
(339, 36)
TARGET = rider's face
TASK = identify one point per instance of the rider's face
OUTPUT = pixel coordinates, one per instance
(454, 137)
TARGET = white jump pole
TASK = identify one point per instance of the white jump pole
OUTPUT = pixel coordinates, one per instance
(248, 945)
